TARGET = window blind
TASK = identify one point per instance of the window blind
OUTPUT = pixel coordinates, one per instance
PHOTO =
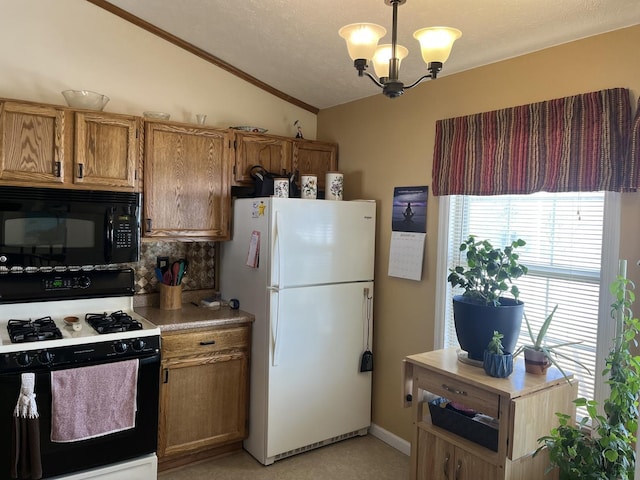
(564, 234)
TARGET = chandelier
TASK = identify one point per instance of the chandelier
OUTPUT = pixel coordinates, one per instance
(362, 44)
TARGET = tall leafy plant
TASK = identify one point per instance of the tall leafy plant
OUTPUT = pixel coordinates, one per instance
(605, 451)
(490, 271)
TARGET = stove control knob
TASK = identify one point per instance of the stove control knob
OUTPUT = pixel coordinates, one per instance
(138, 344)
(120, 347)
(45, 357)
(84, 282)
(23, 359)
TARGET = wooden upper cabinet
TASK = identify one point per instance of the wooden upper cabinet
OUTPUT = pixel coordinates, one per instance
(106, 150)
(187, 182)
(38, 147)
(276, 154)
(317, 158)
(33, 144)
(273, 153)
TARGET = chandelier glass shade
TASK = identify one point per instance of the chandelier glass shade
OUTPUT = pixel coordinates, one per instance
(382, 56)
(362, 45)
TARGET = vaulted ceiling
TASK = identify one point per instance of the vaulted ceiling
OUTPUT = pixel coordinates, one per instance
(292, 47)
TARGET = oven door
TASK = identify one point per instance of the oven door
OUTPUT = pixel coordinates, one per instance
(65, 458)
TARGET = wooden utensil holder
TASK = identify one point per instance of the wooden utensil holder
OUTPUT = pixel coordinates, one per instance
(170, 297)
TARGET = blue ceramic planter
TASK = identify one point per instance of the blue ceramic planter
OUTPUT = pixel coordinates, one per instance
(500, 366)
(476, 323)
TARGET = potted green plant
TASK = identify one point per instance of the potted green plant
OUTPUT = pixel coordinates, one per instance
(539, 355)
(605, 451)
(497, 363)
(483, 307)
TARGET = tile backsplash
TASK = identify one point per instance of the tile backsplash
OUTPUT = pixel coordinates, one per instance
(200, 273)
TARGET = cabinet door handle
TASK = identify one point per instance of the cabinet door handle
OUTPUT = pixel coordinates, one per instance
(458, 469)
(209, 342)
(166, 376)
(58, 170)
(148, 220)
(453, 390)
(446, 467)
(80, 170)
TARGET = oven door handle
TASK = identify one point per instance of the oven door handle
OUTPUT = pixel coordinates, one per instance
(155, 358)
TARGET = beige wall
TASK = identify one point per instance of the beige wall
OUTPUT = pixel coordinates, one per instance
(49, 46)
(386, 143)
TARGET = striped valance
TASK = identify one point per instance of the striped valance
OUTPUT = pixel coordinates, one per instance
(578, 143)
(635, 153)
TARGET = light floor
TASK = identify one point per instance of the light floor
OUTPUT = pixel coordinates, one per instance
(359, 458)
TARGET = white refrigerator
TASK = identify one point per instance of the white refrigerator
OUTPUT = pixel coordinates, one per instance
(304, 268)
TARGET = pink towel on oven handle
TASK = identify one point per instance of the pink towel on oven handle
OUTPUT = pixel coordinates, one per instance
(89, 402)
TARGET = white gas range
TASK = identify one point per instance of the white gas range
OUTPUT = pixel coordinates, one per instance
(69, 317)
(70, 320)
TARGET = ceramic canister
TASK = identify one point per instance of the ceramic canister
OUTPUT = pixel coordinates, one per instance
(281, 187)
(309, 184)
(334, 182)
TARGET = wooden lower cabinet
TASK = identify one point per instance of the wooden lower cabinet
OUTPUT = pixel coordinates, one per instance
(203, 393)
(439, 459)
(523, 406)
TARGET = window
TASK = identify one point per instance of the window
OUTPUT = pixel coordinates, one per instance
(568, 265)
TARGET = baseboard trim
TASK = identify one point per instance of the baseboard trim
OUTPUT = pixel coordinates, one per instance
(390, 439)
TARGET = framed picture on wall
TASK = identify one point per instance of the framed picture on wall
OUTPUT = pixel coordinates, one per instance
(409, 209)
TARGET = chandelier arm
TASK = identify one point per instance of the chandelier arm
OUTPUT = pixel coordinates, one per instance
(420, 80)
(374, 79)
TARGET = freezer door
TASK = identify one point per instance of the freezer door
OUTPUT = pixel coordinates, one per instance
(316, 389)
(315, 242)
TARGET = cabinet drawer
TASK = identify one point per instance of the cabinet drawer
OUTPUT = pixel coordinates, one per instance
(457, 390)
(204, 341)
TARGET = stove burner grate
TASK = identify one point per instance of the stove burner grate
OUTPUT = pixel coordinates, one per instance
(33, 330)
(111, 323)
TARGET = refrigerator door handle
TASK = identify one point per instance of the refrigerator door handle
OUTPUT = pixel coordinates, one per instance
(276, 253)
(275, 326)
(368, 309)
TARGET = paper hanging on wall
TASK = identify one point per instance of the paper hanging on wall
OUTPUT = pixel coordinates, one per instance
(406, 254)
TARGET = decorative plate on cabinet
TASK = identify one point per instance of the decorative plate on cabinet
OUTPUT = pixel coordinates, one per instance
(246, 128)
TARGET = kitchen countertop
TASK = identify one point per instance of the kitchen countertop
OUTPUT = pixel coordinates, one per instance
(191, 316)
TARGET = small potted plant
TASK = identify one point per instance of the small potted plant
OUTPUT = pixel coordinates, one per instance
(497, 362)
(483, 307)
(538, 355)
(602, 445)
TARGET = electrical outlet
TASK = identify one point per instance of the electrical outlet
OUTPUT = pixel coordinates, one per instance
(162, 263)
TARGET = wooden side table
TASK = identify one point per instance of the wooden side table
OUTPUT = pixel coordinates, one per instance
(523, 404)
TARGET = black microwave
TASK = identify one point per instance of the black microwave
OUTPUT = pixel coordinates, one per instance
(47, 227)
